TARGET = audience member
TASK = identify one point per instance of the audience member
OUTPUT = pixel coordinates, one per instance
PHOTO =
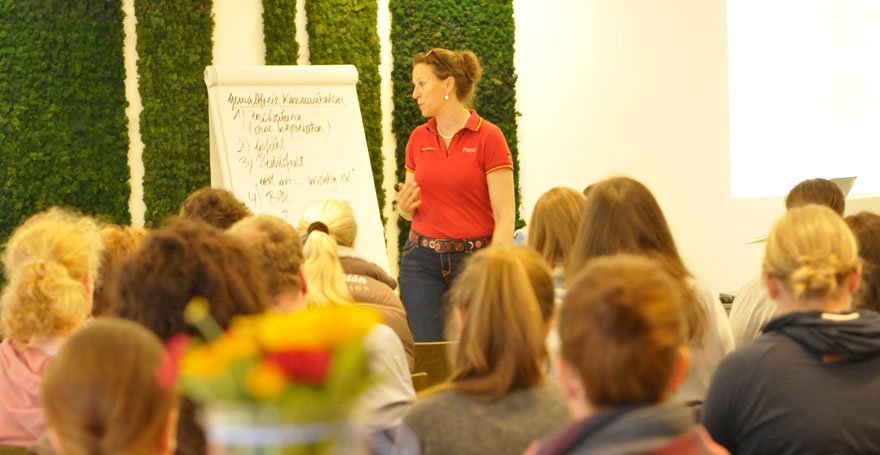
(93, 409)
(498, 399)
(554, 227)
(366, 281)
(51, 262)
(622, 216)
(386, 402)
(118, 241)
(215, 206)
(866, 228)
(624, 352)
(809, 384)
(752, 307)
(171, 267)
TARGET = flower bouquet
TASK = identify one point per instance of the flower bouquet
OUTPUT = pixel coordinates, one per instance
(277, 383)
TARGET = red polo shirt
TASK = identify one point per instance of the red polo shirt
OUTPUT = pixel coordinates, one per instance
(455, 195)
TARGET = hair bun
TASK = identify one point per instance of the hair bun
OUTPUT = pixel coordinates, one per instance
(318, 226)
(816, 275)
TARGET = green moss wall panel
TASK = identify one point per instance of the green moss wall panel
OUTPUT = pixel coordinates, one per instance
(63, 130)
(279, 32)
(174, 47)
(483, 26)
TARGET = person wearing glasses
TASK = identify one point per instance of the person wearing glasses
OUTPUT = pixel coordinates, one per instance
(458, 190)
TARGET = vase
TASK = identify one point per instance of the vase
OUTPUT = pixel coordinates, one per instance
(263, 429)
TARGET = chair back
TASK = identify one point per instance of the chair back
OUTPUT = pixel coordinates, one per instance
(435, 360)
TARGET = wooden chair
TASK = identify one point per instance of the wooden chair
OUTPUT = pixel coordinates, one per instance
(433, 359)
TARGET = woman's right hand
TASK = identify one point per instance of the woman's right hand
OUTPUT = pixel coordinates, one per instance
(408, 199)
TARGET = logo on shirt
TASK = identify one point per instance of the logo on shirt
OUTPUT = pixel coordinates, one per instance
(428, 149)
(469, 149)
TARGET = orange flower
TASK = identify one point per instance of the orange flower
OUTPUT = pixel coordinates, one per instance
(266, 381)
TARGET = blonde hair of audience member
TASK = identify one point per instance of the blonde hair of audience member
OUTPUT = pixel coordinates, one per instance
(323, 270)
(811, 261)
(541, 280)
(817, 191)
(118, 241)
(866, 227)
(622, 216)
(51, 263)
(279, 250)
(497, 306)
(622, 335)
(553, 227)
(93, 409)
(337, 215)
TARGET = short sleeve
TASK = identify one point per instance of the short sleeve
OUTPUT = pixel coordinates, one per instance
(410, 152)
(497, 153)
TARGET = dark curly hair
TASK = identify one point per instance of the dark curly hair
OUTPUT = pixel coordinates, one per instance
(182, 261)
(217, 207)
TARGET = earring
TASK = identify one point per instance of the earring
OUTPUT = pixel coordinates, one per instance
(446, 97)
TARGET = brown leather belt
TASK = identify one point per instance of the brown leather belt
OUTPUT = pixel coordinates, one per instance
(448, 245)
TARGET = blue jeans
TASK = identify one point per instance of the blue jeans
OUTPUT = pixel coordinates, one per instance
(425, 276)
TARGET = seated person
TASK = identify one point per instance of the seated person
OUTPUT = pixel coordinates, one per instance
(498, 398)
(752, 307)
(119, 241)
(624, 352)
(554, 226)
(866, 228)
(810, 384)
(367, 282)
(51, 262)
(215, 206)
(123, 409)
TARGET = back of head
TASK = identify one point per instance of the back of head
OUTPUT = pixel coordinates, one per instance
(119, 242)
(50, 261)
(811, 250)
(866, 227)
(215, 206)
(554, 224)
(621, 328)
(278, 249)
(502, 340)
(817, 191)
(463, 66)
(182, 261)
(324, 274)
(622, 216)
(539, 277)
(336, 215)
(101, 393)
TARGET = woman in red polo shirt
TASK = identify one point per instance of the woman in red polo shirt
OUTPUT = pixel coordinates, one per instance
(458, 191)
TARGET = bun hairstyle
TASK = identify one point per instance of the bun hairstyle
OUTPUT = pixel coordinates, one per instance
(502, 340)
(338, 218)
(812, 250)
(278, 248)
(324, 274)
(621, 327)
(463, 66)
(49, 262)
(866, 227)
(553, 227)
(94, 409)
(622, 216)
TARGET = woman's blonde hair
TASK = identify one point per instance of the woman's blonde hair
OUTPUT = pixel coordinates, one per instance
(553, 227)
(119, 242)
(95, 409)
(278, 248)
(502, 341)
(49, 261)
(324, 274)
(539, 277)
(336, 215)
(622, 216)
(811, 250)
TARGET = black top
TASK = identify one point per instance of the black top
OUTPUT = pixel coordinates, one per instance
(809, 385)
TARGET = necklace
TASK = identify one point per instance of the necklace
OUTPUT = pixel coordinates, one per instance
(457, 130)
